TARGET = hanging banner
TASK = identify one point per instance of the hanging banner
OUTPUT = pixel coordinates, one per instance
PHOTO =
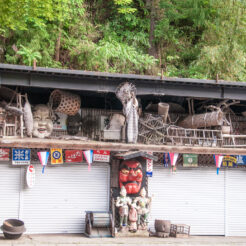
(56, 156)
(101, 155)
(218, 161)
(30, 176)
(4, 154)
(241, 160)
(229, 161)
(149, 166)
(43, 158)
(190, 160)
(88, 154)
(21, 156)
(173, 159)
(72, 156)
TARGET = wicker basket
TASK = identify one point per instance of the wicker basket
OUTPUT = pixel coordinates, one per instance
(65, 102)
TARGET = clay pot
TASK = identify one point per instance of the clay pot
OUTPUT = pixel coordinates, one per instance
(13, 228)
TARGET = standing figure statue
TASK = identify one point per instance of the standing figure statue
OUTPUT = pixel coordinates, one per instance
(122, 203)
(126, 92)
(143, 205)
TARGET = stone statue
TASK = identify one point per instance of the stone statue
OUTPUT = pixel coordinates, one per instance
(143, 205)
(122, 203)
(42, 122)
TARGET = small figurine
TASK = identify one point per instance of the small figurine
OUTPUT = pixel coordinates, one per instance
(133, 218)
(143, 204)
(122, 203)
(42, 122)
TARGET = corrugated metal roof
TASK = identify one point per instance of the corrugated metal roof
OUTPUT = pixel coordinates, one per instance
(104, 75)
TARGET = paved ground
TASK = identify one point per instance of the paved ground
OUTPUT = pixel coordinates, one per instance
(76, 239)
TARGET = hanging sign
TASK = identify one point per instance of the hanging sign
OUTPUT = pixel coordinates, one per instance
(229, 161)
(21, 156)
(190, 160)
(56, 156)
(101, 155)
(88, 154)
(73, 156)
(4, 154)
(241, 160)
(173, 159)
(218, 161)
(149, 166)
(43, 158)
(30, 176)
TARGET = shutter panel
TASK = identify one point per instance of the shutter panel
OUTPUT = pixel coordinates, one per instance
(191, 196)
(9, 192)
(60, 197)
(235, 202)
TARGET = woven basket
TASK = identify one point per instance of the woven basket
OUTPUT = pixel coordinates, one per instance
(65, 102)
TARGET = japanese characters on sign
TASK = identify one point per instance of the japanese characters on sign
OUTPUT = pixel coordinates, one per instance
(56, 156)
(72, 156)
(149, 166)
(190, 160)
(4, 154)
(30, 176)
(101, 155)
(21, 156)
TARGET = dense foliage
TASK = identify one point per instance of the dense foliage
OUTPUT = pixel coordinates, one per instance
(186, 38)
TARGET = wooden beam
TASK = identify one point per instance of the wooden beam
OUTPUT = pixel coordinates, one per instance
(83, 145)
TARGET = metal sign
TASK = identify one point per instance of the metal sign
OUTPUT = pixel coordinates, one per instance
(241, 160)
(56, 156)
(30, 176)
(101, 155)
(21, 156)
(190, 160)
(4, 154)
(73, 156)
(59, 121)
(229, 161)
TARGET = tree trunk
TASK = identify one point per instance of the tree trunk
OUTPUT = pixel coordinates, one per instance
(152, 5)
(58, 44)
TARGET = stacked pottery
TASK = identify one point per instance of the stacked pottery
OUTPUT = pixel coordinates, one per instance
(13, 228)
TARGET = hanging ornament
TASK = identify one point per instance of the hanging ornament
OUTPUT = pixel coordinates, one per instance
(88, 154)
(43, 158)
(30, 176)
(218, 161)
(173, 159)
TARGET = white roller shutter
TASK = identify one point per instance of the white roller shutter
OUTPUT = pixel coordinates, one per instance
(61, 195)
(235, 202)
(191, 196)
(9, 192)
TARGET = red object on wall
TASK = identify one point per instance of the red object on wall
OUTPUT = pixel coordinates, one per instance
(73, 156)
(131, 176)
(4, 154)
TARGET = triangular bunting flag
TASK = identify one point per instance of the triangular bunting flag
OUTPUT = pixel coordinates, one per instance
(43, 158)
(218, 161)
(173, 159)
(88, 154)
